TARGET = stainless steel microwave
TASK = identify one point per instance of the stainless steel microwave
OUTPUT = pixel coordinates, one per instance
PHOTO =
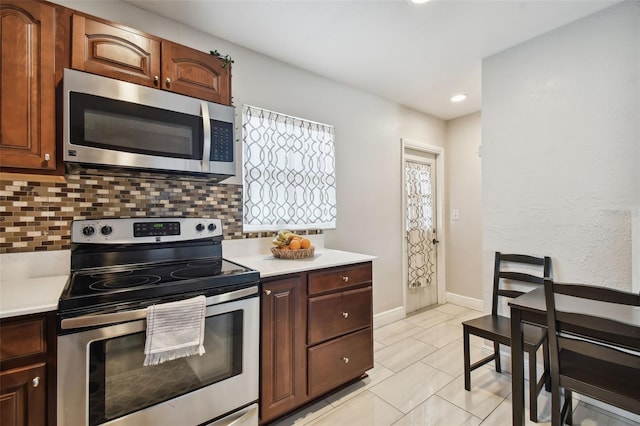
(112, 124)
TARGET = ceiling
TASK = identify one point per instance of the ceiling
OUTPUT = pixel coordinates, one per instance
(415, 55)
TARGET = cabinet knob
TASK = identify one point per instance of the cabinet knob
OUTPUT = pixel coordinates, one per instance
(345, 359)
(168, 81)
(345, 279)
(35, 382)
(47, 157)
(156, 80)
(345, 314)
(267, 292)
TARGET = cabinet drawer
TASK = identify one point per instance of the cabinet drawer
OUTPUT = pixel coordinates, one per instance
(22, 338)
(336, 362)
(336, 314)
(338, 278)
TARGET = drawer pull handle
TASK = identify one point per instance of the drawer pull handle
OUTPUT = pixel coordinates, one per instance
(267, 292)
(345, 279)
(35, 382)
(345, 359)
(345, 314)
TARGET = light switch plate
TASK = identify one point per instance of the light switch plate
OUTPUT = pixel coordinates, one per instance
(455, 214)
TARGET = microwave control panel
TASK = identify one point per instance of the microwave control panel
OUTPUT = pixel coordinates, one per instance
(221, 141)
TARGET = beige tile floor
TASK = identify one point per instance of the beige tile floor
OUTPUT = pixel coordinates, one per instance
(418, 380)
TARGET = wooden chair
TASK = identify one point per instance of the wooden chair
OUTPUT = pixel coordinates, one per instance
(495, 327)
(587, 352)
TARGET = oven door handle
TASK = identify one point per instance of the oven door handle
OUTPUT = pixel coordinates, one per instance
(138, 314)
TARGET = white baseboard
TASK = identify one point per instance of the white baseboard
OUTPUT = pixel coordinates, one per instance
(467, 302)
(387, 317)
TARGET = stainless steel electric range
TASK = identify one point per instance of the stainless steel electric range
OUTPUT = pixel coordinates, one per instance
(119, 267)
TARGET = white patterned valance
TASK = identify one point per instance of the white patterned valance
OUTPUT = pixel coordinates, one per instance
(289, 172)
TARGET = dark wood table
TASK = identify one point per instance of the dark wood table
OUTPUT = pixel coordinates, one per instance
(531, 308)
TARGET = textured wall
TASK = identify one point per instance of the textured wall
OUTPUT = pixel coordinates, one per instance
(560, 148)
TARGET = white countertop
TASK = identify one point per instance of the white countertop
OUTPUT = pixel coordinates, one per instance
(30, 295)
(32, 282)
(270, 266)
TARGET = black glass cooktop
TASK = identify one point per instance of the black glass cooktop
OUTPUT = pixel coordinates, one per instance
(132, 283)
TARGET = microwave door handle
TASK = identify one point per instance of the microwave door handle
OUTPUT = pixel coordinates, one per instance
(206, 146)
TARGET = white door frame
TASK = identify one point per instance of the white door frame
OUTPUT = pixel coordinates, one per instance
(438, 152)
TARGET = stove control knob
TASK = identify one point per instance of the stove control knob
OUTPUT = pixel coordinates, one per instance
(212, 227)
(88, 230)
(106, 230)
(199, 227)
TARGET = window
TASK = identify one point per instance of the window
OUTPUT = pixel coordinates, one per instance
(289, 172)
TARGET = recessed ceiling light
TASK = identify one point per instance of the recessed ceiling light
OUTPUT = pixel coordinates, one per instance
(459, 97)
(418, 1)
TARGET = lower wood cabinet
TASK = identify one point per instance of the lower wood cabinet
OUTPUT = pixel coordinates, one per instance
(27, 370)
(283, 358)
(337, 361)
(316, 335)
(23, 396)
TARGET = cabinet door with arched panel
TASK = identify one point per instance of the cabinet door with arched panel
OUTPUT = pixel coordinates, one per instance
(27, 98)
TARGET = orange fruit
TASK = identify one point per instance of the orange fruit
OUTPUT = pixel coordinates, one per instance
(305, 243)
(294, 244)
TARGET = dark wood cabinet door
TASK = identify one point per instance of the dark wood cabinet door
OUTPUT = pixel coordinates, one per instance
(115, 51)
(23, 396)
(27, 95)
(283, 350)
(194, 73)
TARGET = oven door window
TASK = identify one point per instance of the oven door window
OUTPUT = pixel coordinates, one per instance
(119, 384)
(123, 126)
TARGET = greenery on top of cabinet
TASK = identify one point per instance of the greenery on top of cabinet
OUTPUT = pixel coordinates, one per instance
(226, 59)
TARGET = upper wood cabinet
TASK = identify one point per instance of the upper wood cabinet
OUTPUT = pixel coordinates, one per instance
(27, 98)
(194, 73)
(112, 50)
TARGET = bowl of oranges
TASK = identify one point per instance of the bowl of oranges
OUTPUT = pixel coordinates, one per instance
(289, 245)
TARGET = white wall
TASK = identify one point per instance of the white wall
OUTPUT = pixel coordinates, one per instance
(561, 148)
(368, 132)
(463, 189)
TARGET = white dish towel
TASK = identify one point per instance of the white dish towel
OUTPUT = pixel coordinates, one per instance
(175, 330)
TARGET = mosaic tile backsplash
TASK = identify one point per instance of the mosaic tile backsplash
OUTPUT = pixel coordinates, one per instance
(36, 215)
